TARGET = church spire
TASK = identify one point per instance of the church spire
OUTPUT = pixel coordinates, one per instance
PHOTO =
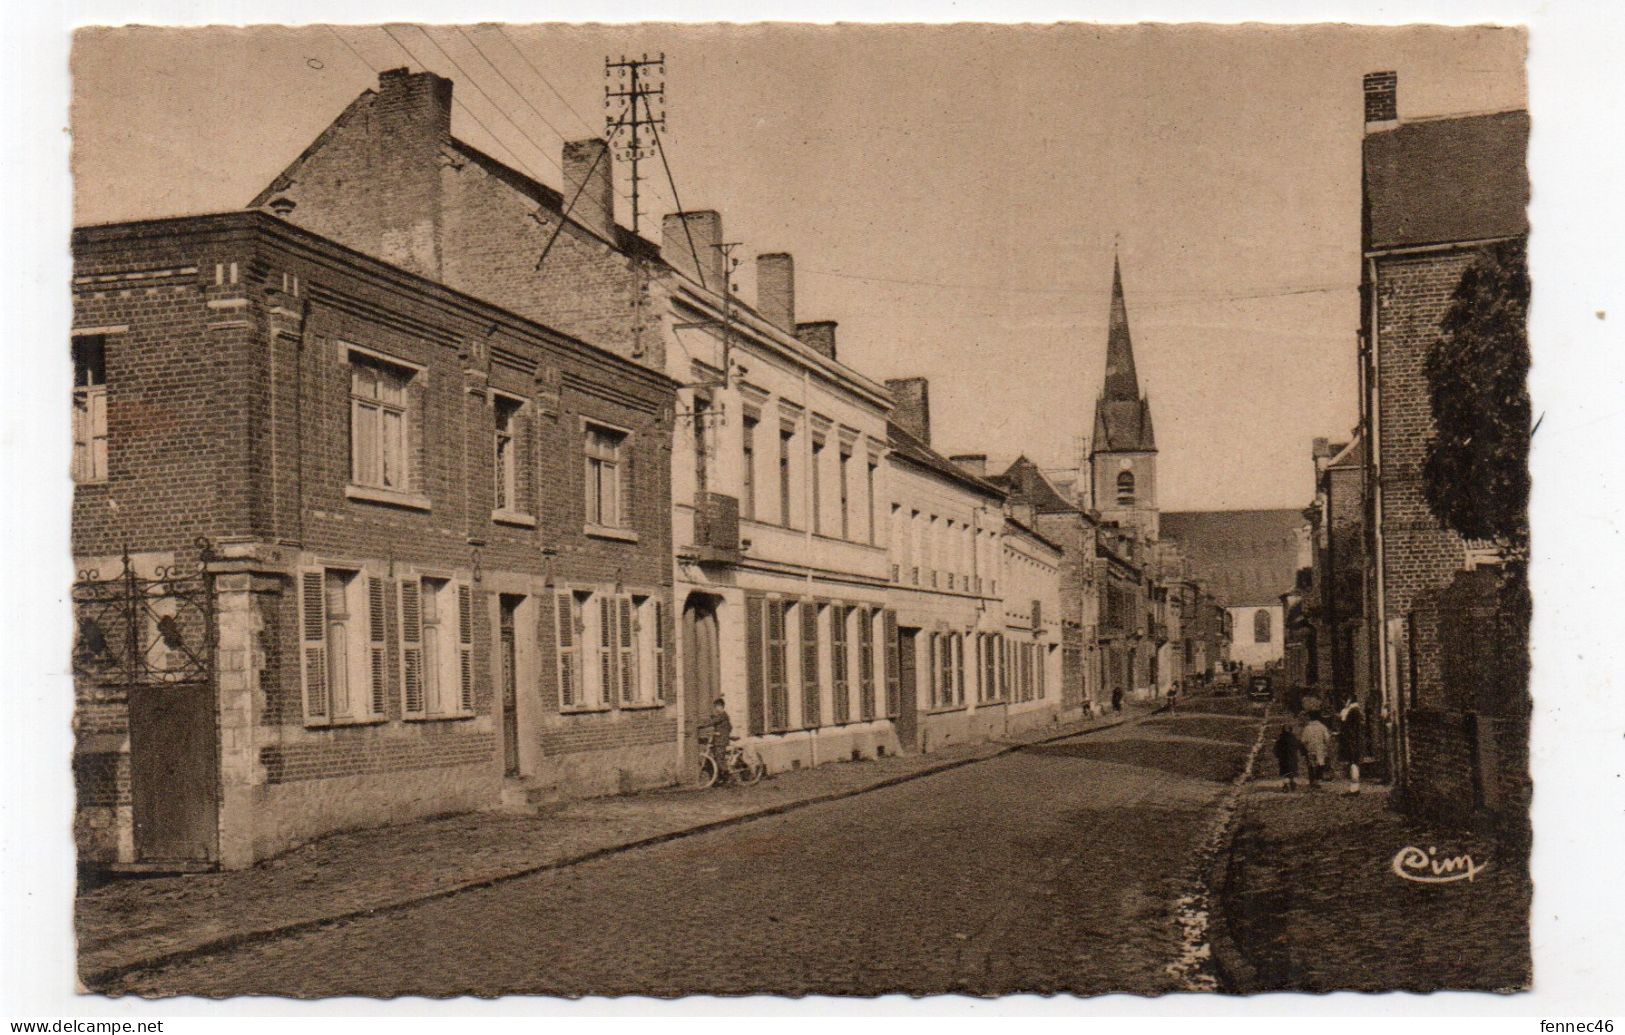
(1121, 380)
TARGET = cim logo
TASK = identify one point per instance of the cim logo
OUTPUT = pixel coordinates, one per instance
(1413, 864)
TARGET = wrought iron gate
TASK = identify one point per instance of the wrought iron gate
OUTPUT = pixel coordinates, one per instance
(150, 642)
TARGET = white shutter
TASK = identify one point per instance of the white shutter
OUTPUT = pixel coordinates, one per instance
(662, 661)
(564, 625)
(465, 647)
(625, 649)
(411, 602)
(377, 647)
(607, 668)
(313, 643)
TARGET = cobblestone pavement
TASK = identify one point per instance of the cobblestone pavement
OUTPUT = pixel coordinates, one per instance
(1050, 869)
(1308, 900)
(130, 922)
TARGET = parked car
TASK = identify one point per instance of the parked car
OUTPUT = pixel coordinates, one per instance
(1258, 688)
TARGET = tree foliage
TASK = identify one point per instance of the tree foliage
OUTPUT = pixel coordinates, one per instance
(1477, 466)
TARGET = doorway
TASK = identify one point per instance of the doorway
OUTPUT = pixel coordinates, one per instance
(702, 671)
(908, 711)
(508, 664)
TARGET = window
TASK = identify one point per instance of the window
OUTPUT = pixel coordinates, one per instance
(505, 453)
(747, 486)
(959, 668)
(90, 409)
(1261, 626)
(869, 499)
(342, 632)
(654, 653)
(846, 493)
(379, 427)
(612, 649)
(778, 661)
(817, 489)
(606, 477)
(568, 626)
(786, 437)
(437, 648)
(1125, 489)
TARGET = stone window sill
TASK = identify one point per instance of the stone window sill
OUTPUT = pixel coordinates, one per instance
(331, 724)
(586, 709)
(643, 706)
(623, 535)
(448, 717)
(513, 517)
(389, 497)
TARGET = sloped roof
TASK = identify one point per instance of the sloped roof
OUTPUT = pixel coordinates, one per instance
(910, 448)
(1024, 480)
(1248, 557)
(1122, 415)
(1448, 179)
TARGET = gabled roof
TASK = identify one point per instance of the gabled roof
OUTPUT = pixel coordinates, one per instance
(908, 447)
(1025, 481)
(1445, 180)
(1249, 557)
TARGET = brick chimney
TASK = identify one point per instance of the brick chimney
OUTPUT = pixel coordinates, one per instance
(418, 102)
(819, 335)
(705, 227)
(972, 463)
(1381, 99)
(912, 411)
(588, 161)
(776, 291)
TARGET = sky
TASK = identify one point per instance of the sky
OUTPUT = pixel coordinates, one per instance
(953, 196)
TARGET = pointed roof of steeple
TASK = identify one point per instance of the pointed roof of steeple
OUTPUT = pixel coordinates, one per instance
(1122, 414)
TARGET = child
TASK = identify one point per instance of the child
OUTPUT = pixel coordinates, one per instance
(721, 730)
(1317, 745)
(1351, 741)
(1286, 756)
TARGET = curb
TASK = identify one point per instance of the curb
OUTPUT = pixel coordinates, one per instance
(94, 981)
(1237, 975)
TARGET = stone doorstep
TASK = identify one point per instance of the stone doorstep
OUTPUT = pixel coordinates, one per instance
(109, 966)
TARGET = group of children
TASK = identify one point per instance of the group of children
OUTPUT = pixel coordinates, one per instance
(1313, 743)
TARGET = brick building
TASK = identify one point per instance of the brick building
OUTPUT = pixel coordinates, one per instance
(1248, 559)
(1334, 596)
(392, 550)
(1435, 192)
(777, 459)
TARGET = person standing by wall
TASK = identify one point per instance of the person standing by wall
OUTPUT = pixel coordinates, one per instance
(1317, 745)
(1351, 741)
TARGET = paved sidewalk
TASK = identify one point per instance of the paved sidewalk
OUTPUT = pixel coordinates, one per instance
(1308, 900)
(132, 923)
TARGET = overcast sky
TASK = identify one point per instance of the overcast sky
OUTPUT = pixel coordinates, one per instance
(951, 195)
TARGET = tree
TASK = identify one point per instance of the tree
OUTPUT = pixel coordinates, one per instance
(1477, 466)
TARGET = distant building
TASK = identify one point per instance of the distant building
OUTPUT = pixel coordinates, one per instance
(1248, 559)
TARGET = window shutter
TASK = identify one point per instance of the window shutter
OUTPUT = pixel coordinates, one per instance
(866, 663)
(623, 517)
(778, 691)
(839, 664)
(894, 685)
(606, 650)
(754, 649)
(626, 649)
(377, 646)
(411, 601)
(662, 658)
(959, 668)
(465, 647)
(564, 624)
(313, 638)
(810, 683)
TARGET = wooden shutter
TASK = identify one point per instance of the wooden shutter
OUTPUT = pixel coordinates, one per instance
(935, 658)
(313, 640)
(628, 472)
(866, 663)
(894, 685)
(839, 664)
(568, 650)
(465, 647)
(377, 646)
(607, 669)
(662, 657)
(959, 668)
(625, 648)
(411, 603)
(778, 689)
(754, 649)
(810, 683)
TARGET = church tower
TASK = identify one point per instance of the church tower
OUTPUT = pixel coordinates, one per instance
(1123, 452)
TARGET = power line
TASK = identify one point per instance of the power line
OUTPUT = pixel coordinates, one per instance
(538, 73)
(1193, 297)
(699, 267)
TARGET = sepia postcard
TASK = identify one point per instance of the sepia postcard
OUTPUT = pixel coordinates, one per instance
(670, 510)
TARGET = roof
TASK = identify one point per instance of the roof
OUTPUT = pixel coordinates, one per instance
(912, 449)
(1032, 533)
(1122, 415)
(1447, 180)
(1248, 557)
(1024, 480)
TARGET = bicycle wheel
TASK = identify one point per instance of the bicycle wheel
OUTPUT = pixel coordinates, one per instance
(708, 771)
(748, 772)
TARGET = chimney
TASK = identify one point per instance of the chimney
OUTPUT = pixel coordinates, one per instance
(776, 291)
(419, 102)
(705, 228)
(819, 336)
(1381, 98)
(588, 162)
(912, 411)
(1321, 448)
(971, 463)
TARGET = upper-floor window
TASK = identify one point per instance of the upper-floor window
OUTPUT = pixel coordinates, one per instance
(506, 449)
(846, 493)
(815, 476)
(747, 484)
(1125, 489)
(1261, 626)
(786, 439)
(89, 409)
(606, 477)
(380, 428)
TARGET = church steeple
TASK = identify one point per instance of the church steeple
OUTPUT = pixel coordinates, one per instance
(1122, 414)
(1121, 382)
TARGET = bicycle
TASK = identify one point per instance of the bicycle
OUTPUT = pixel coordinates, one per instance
(739, 764)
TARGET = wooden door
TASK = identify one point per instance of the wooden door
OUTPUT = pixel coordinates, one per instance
(174, 778)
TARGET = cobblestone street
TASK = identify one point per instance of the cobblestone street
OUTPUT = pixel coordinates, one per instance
(1051, 869)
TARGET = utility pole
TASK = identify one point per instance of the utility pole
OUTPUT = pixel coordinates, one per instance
(729, 264)
(632, 83)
